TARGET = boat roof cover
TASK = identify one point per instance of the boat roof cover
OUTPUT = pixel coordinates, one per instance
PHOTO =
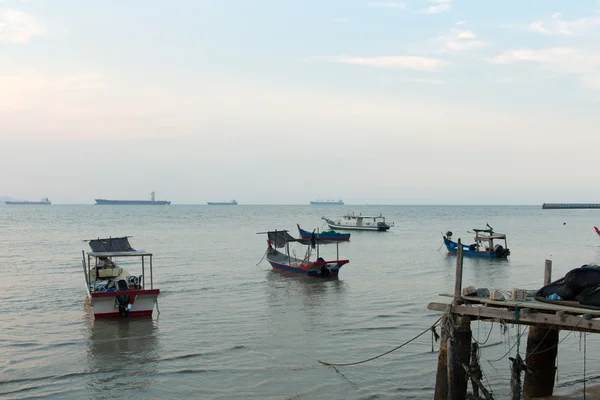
(112, 247)
(280, 238)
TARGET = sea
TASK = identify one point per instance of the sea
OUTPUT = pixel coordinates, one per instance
(229, 327)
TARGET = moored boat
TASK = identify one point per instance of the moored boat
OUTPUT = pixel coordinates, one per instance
(325, 235)
(360, 222)
(483, 245)
(319, 268)
(112, 290)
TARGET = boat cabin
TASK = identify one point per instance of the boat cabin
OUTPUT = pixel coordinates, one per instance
(102, 274)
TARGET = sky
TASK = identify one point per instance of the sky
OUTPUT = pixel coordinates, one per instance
(283, 102)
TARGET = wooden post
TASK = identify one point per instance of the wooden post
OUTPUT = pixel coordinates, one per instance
(542, 347)
(441, 378)
(548, 272)
(459, 353)
(459, 271)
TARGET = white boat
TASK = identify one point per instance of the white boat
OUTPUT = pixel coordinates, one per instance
(112, 290)
(353, 222)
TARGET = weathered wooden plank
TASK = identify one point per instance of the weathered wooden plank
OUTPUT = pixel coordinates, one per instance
(538, 305)
(567, 322)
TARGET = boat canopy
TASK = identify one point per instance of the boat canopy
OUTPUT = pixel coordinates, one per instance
(281, 238)
(490, 236)
(352, 215)
(114, 247)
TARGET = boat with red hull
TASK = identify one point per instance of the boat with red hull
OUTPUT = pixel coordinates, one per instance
(319, 268)
(112, 291)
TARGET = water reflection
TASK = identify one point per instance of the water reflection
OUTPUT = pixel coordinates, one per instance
(123, 353)
(301, 301)
(489, 272)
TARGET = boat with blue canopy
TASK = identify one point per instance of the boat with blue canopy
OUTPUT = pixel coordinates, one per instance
(484, 244)
(325, 235)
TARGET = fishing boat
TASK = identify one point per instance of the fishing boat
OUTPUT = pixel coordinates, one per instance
(326, 235)
(483, 246)
(112, 290)
(360, 222)
(319, 268)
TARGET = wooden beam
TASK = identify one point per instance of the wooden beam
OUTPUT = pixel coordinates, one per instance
(533, 304)
(567, 322)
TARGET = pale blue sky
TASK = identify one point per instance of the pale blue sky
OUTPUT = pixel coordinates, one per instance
(394, 102)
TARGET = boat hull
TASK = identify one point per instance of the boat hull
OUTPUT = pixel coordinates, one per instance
(104, 304)
(453, 249)
(27, 203)
(358, 228)
(104, 202)
(317, 269)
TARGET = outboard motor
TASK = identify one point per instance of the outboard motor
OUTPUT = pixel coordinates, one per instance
(449, 235)
(133, 281)
(501, 251)
(122, 300)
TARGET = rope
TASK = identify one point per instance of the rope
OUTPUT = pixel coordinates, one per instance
(551, 347)
(387, 352)
(263, 257)
(584, 362)
(509, 350)
(487, 338)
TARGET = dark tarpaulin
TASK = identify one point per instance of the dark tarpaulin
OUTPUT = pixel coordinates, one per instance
(280, 238)
(110, 245)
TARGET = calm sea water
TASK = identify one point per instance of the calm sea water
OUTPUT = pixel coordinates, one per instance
(231, 329)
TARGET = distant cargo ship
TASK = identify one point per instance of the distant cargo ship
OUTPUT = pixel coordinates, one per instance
(151, 202)
(327, 203)
(565, 206)
(222, 203)
(43, 202)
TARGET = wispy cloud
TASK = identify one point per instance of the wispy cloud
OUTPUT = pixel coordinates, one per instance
(460, 40)
(18, 27)
(558, 26)
(388, 4)
(559, 60)
(440, 7)
(425, 81)
(396, 62)
(461, 22)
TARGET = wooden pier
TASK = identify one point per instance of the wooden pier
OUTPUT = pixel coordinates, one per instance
(545, 320)
(568, 206)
